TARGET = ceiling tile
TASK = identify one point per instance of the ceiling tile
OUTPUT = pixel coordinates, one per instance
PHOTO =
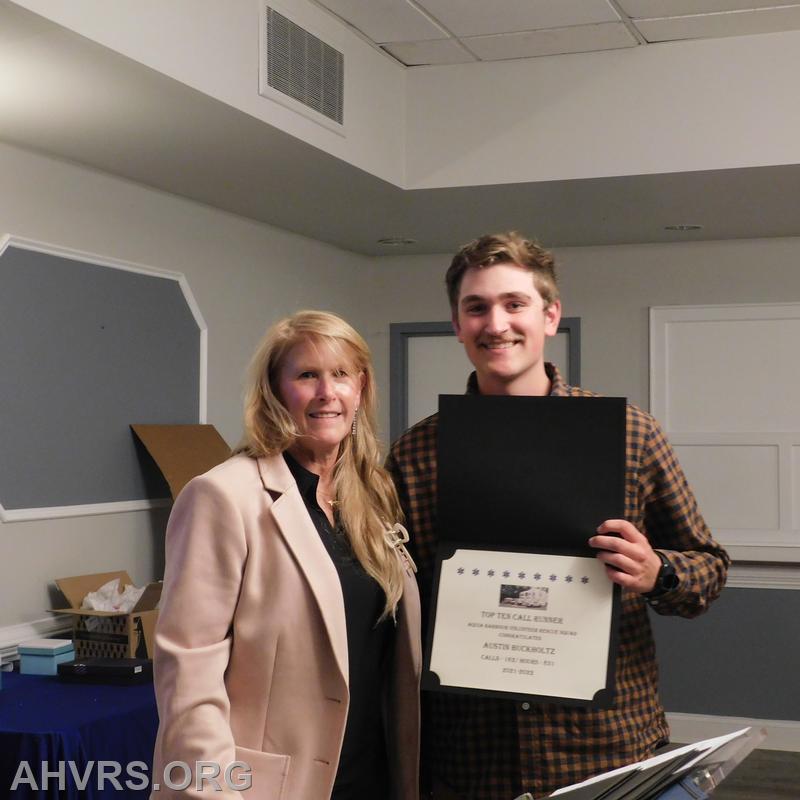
(576, 39)
(415, 54)
(507, 16)
(675, 8)
(707, 26)
(386, 20)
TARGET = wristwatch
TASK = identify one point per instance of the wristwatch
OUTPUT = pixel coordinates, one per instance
(666, 580)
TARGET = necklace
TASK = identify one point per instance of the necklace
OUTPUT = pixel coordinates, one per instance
(325, 498)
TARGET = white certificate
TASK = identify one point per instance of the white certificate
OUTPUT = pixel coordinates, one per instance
(523, 624)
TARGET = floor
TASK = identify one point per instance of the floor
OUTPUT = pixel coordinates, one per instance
(763, 775)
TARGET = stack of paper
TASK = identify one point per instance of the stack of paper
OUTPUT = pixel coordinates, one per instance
(702, 765)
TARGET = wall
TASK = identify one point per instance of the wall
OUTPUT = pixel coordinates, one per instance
(739, 659)
(674, 107)
(212, 46)
(243, 276)
(611, 290)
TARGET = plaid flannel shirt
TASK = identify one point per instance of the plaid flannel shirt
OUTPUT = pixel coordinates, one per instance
(494, 749)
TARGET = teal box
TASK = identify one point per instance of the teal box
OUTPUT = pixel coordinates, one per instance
(42, 656)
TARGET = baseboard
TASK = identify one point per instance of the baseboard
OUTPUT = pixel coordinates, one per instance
(781, 734)
(12, 635)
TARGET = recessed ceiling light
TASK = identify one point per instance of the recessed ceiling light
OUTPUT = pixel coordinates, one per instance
(396, 241)
(683, 228)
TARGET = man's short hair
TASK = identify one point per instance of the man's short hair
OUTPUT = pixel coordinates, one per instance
(504, 248)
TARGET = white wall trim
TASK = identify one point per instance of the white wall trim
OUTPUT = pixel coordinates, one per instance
(10, 240)
(689, 426)
(189, 297)
(781, 734)
(757, 576)
(87, 510)
(12, 635)
(774, 552)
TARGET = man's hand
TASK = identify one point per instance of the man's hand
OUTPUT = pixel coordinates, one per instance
(629, 559)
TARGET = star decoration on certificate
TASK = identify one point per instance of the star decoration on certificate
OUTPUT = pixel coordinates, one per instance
(476, 572)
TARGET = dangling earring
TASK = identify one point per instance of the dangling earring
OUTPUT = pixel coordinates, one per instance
(355, 416)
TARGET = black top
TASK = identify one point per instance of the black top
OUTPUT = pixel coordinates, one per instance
(363, 766)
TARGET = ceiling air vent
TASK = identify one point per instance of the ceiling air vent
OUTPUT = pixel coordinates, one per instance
(300, 66)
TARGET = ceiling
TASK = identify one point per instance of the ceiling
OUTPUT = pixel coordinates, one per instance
(68, 97)
(424, 32)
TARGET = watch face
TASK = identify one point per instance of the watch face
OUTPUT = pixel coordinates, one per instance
(666, 578)
(669, 580)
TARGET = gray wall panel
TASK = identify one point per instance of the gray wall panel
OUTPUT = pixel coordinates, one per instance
(85, 350)
(740, 659)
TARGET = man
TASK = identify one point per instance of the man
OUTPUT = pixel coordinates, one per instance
(505, 304)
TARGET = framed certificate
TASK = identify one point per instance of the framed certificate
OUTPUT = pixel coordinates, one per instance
(520, 605)
(522, 625)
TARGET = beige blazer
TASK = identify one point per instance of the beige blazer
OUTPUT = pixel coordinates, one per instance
(251, 645)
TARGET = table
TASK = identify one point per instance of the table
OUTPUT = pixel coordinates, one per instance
(45, 719)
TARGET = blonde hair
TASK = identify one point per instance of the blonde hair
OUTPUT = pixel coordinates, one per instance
(366, 497)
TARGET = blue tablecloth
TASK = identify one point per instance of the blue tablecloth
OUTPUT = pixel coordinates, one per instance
(43, 719)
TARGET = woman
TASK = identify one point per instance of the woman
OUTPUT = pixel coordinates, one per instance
(288, 636)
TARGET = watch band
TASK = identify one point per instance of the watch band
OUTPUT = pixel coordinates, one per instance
(666, 580)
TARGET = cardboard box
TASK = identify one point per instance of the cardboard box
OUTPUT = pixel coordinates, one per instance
(108, 633)
(182, 451)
